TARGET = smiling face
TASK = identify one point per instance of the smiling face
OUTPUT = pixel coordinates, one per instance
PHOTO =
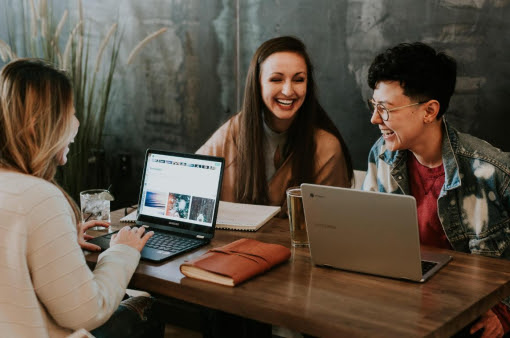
(405, 128)
(283, 81)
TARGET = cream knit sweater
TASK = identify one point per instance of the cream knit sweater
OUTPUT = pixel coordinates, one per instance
(46, 288)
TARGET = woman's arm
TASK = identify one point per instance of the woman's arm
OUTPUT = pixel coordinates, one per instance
(73, 295)
(218, 143)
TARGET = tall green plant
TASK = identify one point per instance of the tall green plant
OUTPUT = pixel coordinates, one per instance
(92, 82)
(92, 90)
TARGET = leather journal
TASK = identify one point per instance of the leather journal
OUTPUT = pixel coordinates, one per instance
(236, 262)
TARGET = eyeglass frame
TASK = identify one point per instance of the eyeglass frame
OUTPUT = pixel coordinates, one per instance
(375, 105)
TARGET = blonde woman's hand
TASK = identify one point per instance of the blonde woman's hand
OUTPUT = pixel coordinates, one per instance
(83, 237)
(134, 237)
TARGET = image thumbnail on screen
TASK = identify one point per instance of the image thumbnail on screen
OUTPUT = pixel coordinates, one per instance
(202, 209)
(156, 201)
(178, 205)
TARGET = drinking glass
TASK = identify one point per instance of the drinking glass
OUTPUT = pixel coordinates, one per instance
(95, 205)
(298, 233)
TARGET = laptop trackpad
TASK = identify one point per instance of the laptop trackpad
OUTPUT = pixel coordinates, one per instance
(156, 255)
(101, 241)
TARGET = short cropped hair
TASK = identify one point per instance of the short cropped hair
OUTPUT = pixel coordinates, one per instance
(423, 73)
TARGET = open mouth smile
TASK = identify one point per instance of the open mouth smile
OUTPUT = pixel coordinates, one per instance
(284, 102)
(387, 133)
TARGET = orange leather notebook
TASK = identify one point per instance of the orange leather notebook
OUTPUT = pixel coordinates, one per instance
(236, 262)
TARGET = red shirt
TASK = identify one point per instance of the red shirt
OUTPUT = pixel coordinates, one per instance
(425, 184)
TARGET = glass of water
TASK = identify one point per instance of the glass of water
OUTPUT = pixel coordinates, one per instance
(95, 205)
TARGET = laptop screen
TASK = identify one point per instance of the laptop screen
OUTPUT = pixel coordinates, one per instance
(180, 191)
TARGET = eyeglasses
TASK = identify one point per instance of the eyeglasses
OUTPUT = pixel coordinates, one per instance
(384, 112)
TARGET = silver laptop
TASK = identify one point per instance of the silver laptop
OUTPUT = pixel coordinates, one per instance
(368, 232)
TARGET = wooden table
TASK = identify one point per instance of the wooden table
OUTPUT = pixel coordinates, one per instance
(327, 302)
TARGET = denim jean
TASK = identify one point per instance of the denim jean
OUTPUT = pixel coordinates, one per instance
(218, 324)
(133, 318)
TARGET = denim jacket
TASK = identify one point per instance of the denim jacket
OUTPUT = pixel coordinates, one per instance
(474, 202)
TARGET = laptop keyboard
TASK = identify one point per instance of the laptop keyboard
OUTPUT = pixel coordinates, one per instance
(426, 267)
(171, 243)
(168, 242)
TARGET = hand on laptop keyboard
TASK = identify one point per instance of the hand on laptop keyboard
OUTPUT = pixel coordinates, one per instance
(134, 237)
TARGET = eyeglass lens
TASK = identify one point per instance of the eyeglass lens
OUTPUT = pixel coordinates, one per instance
(381, 110)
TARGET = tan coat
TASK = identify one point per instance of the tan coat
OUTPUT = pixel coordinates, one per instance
(331, 168)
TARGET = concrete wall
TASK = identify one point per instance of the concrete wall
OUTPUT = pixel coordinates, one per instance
(189, 81)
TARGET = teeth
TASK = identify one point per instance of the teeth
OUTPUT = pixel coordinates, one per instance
(386, 132)
(284, 102)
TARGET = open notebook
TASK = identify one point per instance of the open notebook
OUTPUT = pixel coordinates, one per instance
(235, 216)
(247, 217)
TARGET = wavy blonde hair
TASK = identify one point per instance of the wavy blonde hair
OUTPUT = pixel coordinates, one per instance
(36, 108)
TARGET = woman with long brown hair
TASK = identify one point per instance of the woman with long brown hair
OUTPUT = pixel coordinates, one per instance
(47, 288)
(282, 137)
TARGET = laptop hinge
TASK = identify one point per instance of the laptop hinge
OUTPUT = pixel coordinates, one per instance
(200, 237)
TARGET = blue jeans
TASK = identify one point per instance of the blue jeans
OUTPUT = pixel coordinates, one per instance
(133, 318)
(218, 324)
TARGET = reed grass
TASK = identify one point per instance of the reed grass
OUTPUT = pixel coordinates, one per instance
(142, 44)
(5, 52)
(42, 33)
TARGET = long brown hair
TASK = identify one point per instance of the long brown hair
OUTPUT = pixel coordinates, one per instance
(251, 185)
(36, 102)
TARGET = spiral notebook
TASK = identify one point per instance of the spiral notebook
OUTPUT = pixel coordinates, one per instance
(244, 217)
(235, 216)
(130, 218)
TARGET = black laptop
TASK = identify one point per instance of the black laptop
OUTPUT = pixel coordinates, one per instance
(179, 197)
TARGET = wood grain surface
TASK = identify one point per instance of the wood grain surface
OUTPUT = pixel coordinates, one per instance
(328, 302)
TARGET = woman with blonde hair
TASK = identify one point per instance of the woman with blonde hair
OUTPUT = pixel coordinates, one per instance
(282, 137)
(47, 288)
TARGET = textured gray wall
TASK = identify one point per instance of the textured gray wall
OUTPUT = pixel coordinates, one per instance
(189, 81)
